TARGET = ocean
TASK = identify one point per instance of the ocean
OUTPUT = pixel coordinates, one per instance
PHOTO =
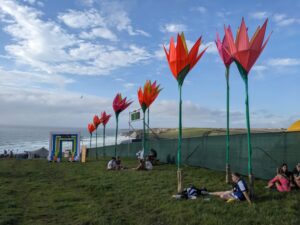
(20, 139)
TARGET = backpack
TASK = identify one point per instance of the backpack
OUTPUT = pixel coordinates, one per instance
(192, 192)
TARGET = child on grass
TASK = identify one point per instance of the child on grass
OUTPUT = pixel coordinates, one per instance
(239, 191)
(281, 181)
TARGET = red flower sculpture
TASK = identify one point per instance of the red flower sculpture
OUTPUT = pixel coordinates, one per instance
(105, 118)
(96, 121)
(148, 95)
(91, 128)
(223, 49)
(120, 104)
(180, 60)
(246, 52)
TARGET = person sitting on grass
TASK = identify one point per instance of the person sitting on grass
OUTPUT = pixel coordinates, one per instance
(281, 181)
(296, 175)
(239, 191)
(141, 165)
(111, 165)
(148, 164)
(287, 173)
(119, 165)
(152, 156)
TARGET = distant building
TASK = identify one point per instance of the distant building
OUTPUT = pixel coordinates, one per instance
(40, 153)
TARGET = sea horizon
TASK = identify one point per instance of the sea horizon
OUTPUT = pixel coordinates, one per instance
(21, 138)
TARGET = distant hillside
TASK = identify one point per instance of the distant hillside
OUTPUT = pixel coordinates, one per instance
(195, 132)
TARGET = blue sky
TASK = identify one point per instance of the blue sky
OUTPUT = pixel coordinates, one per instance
(54, 52)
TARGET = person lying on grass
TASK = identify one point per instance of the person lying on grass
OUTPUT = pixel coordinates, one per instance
(191, 192)
(281, 181)
(239, 191)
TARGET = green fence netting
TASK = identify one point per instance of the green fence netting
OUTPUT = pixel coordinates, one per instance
(269, 151)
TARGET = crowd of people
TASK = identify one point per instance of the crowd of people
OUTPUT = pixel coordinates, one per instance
(284, 180)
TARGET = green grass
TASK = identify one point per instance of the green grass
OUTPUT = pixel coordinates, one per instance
(36, 192)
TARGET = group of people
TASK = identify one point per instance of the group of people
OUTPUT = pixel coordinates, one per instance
(143, 164)
(285, 180)
(7, 155)
(115, 164)
(238, 192)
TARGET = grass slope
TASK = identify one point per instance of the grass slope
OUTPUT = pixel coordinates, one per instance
(36, 192)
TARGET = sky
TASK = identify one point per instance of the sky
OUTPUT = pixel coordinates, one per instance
(62, 62)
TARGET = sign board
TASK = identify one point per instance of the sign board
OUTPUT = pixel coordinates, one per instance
(135, 115)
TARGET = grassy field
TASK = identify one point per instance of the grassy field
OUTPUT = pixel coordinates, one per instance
(35, 192)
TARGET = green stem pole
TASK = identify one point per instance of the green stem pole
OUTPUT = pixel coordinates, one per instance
(248, 127)
(96, 145)
(103, 140)
(179, 129)
(148, 128)
(117, 120)
(91, 140)
(227, 127)
(144, 133)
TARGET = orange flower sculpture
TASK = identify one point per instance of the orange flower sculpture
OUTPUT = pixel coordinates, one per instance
(119, 104)
(148, 95)
(181, 61)
(146, 98)
(245, 54)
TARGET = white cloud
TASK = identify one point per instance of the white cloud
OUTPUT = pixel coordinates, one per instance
(45, 46)
(279, 62)
(32, 2)
(279, 17)
(259, 15)
(284, 20)
(82, 19)
(173, 28)
(118, 18)
(99, 32)
(200, 9)
(49, 107)
(212, 49)
(259, 68)
(21, 79)
(129, 85)
(87, 2)
(164, 113)
(160, 53)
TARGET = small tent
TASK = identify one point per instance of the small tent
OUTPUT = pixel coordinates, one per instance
(295, 126)
(40, 153)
